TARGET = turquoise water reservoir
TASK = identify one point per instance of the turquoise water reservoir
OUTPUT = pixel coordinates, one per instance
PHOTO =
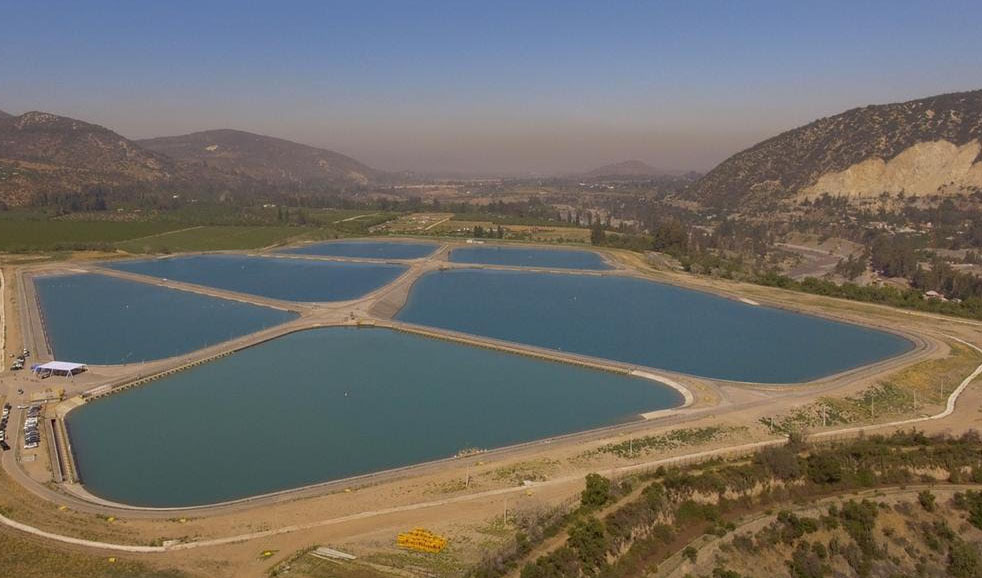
(325, 404)
(104, 320)
(652, 324)
(529, 257)
(288, 279)
(366, 249)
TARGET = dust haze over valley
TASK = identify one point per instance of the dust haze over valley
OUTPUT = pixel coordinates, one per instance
(510, 290)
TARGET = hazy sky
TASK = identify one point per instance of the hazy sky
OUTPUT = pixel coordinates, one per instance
(489, 86)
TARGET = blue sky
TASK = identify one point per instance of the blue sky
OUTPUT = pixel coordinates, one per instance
(483, 86)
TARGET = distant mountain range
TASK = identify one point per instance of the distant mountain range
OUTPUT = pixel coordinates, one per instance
(45, 155)
(922, 147)
(263, 158)
(632, 170)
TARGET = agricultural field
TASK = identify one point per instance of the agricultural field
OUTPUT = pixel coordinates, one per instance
(414, 224)
(450, 224)
(348, 221)
(213, 238)
(537, 233)
(24, 235)
(209, 229)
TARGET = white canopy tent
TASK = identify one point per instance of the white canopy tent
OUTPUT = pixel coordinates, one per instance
(65, 368)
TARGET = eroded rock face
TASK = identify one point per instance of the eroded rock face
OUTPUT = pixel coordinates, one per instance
(916, 146)
(927, 168)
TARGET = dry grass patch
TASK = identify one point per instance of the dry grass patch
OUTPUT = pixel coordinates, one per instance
(28, 558)
(918, 389)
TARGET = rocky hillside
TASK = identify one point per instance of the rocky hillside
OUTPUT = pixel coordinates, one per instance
(51, 154)
(4, 114)
(44, 156)
(262, 158)
(922, 147)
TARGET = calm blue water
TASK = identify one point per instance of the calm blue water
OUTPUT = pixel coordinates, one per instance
(288, 279)
(104, 320)
(529, 257)
(637, 321)
(369, 249)
(330, 403)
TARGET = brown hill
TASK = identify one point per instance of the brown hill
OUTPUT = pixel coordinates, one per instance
(625, 169)
(42, 153)
(5, 114)
(922, 147)
(44, 156)
(263, 158)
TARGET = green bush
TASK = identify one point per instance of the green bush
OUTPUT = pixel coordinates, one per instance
(824, 469)
(963, 560)
(589, 539)
(597, 491)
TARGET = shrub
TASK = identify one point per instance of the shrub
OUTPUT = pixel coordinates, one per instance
(824, 469)
(971, 502)
(597, 491)
(963, 560)
(794, 527)
(926, 499)
(859, 518)
(781, 462)
(805, 564)
(559, 564)
(589, 540)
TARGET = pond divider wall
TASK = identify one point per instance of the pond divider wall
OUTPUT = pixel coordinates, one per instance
(441, 334)
(64, 457)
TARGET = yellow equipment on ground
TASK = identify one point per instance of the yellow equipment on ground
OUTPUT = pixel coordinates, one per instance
(421, 540)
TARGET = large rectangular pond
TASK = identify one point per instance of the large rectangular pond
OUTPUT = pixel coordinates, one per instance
(283, 278)
(104, 320)
(529, 257)
(638, 321)
(366, 249)
(326, 404)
